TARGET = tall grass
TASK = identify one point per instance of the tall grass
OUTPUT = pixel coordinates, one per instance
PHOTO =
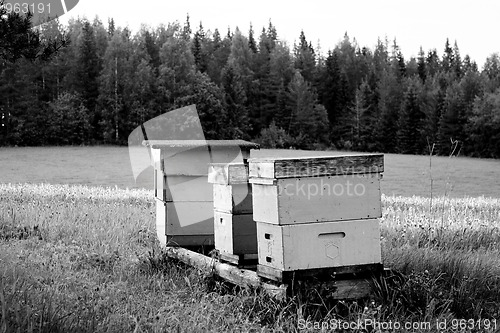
(456, 245)
(83, 259)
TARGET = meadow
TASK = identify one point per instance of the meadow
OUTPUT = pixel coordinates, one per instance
(404, 175)
(84, 258)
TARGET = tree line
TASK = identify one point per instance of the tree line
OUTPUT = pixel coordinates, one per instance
(106, 81)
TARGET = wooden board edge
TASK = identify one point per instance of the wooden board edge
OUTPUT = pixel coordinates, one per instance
(241, 277)
(317, 166)
(228, 173)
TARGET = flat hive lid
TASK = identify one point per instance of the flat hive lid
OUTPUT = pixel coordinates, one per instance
(289, 167)
(165, 144)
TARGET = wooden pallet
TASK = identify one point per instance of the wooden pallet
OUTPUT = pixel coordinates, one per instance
(343, 282)
(318, 273)
(346, 283)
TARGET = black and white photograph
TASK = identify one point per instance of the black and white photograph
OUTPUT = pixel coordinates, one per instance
(259, 166)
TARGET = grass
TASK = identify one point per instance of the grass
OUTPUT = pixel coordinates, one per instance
(85, 259)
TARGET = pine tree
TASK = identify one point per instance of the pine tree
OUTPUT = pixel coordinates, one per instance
(218, 51)
(200, 58)
(308, 119)
(448, 57)
(451, 124)
(333, 94)
(422, 70)
(390, 93)
(234, 103)
(432, 62)
(410, 122)
(457, 62)
(186, 30)
(252, 44)
(305, 58)
(87, 74)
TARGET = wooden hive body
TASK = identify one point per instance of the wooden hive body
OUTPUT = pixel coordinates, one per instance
(184, 198)
(317, 212)
(234, 228)
(319, 245)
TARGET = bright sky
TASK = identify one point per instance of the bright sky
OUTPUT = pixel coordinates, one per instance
(473, 24)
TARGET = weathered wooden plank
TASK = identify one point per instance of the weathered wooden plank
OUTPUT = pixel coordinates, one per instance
(318, 199)
(246, 260)
(234, 199)
(235, 234)
(321, 274)
(240, 277)
(269, 167)
(345, 288)
(228, 174)
(319, 245)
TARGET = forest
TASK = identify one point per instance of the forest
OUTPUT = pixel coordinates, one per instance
(105, 81)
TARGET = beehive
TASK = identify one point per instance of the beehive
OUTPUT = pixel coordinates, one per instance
(318, 245)
(184, 198)
(234, 229)
(317, 212)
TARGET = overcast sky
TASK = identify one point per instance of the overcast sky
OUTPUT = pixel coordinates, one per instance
(475, 25)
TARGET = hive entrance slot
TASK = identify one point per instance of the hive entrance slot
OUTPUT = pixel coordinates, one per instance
(331, 235)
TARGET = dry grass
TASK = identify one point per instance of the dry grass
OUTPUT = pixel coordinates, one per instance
(83, 259)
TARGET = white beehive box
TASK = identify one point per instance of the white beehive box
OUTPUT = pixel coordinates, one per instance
(235, 231)
(235, 234)
(184, 197)
(316, 212)
(188, 223)
(317, 199)
(181, 188)
(318, 245)
(316, 189)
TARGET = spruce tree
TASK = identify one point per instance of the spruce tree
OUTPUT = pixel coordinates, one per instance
(410, 122)
(421, 67)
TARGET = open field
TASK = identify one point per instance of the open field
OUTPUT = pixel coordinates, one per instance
(85, 258)
(404, 175)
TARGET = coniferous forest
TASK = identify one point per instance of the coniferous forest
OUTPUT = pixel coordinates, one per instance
(106, 81)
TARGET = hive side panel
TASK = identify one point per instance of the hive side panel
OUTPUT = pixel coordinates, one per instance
(188, 188)
(193, 161)
(223, 232)
(161, 221)
(270, 245)
(234, 199)
(332, 198)
(190, 218)
(265, 203)
(331, 244)
(235, 234)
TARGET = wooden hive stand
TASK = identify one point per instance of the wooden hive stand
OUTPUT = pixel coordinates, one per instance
(235, 232)
(318, 217)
